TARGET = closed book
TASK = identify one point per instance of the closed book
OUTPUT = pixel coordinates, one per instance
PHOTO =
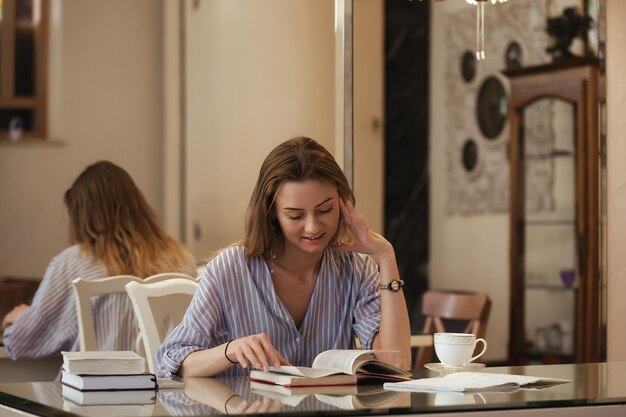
(109, 382)
(108, 397)
(103, 362)
(333, 367)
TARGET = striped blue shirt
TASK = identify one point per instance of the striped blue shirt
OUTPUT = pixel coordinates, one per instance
(236, 298)
(50, 323)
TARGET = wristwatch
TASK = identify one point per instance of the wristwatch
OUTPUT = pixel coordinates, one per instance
(394, 285)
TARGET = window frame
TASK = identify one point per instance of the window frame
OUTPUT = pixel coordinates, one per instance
(38, 102)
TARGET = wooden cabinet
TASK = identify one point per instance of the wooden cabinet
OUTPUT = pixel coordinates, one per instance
(554, 250)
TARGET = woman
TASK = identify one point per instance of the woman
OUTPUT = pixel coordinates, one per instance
(114, 232)
(295, 286)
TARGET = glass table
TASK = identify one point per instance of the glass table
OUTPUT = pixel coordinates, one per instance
(595, 389)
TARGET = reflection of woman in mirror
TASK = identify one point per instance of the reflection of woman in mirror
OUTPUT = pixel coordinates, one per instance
(298, 284)
(215, 396)
(114, 232)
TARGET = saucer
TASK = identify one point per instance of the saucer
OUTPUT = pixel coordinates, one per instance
(440, 367)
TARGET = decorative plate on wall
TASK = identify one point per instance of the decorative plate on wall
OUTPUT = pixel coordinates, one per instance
(513, 56)
(471, 156)
(468, 66)
(491, 107)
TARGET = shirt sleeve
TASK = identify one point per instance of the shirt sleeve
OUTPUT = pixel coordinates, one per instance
(366, 316)
(202, 327)
(49, 325)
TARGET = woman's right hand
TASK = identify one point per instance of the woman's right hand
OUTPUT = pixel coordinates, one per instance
(256, 350)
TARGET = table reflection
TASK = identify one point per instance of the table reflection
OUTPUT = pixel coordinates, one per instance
(591, 384)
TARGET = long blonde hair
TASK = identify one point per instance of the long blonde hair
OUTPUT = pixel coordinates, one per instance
(297, 159)
(109, 218)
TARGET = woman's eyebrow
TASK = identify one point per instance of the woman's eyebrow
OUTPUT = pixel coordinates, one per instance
(299, 209)
(325, 201)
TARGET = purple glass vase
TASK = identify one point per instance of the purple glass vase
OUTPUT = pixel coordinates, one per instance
(568, 276)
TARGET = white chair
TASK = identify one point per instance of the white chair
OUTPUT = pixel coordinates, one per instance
(166, 275)
(200, 270)
(159, 307)
(84, 290)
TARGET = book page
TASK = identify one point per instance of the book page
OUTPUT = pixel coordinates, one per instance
(472, 381)
(304, 371)
(347, 360)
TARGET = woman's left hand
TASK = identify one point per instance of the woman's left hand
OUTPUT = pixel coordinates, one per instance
(365, 240)
(14, 314)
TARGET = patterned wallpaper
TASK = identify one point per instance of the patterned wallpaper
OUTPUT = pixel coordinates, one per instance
(485, 187)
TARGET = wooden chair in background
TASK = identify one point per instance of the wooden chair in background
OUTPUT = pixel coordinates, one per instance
(438, 306)
(159, 307)
(84, 290)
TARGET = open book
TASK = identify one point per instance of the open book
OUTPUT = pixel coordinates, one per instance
(333, 367)
(475, 382)
(371, 397)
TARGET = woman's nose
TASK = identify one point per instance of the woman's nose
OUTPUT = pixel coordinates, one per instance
(311, 225)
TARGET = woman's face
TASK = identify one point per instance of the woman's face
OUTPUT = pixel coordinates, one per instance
(308, 214)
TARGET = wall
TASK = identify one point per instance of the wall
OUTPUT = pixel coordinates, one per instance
(368, 111)
(257, 73)
(105, 103)
(466, 253)
(616, 187)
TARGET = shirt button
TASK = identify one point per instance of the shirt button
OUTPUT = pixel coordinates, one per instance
(297, 339)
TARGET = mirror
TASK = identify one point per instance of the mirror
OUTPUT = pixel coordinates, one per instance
(461, 205)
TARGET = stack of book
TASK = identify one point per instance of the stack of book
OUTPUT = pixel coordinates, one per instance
(102, 377)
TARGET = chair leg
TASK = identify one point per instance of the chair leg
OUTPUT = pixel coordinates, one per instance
(424, 355)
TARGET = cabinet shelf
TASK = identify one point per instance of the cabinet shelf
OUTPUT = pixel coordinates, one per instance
(557, 153)
(539, 222)
(550, 287)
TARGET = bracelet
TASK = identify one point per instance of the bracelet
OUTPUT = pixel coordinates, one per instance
(226, 356)
(229, 398)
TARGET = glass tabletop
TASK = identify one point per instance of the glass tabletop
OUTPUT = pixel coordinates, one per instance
(591, 384)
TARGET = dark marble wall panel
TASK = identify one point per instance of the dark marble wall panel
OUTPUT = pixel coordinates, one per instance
(406, 143)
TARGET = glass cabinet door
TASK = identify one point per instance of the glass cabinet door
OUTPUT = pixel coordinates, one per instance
(549, 228)
(554, 213)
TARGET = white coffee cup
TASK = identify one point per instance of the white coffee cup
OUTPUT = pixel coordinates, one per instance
(456, 349)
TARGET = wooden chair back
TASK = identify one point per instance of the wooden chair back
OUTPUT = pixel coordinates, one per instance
(438, 306)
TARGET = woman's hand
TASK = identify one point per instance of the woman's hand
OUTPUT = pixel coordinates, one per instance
(365, 240)
(256, 350)
(14, 314)
(265, 405)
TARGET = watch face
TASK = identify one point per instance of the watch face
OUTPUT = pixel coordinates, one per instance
(395, 285)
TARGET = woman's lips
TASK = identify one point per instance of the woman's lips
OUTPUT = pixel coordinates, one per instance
(313, 238)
